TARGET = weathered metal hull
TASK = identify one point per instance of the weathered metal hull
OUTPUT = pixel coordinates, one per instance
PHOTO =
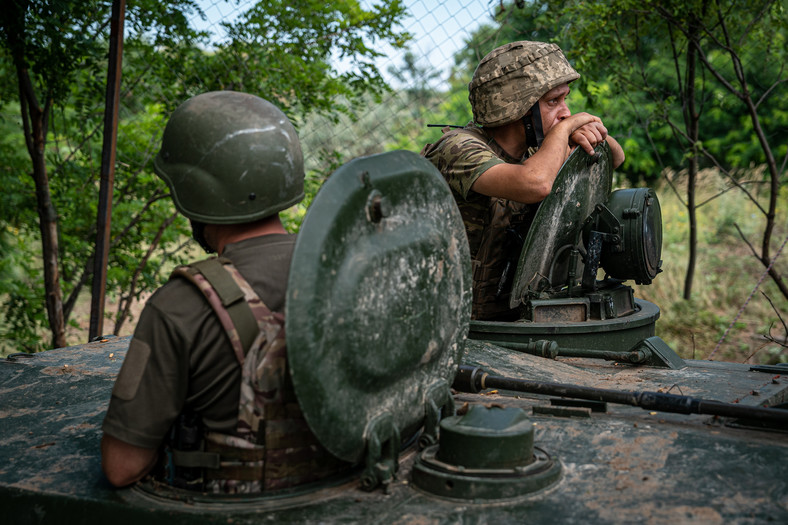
(624, 465)
(383, 317)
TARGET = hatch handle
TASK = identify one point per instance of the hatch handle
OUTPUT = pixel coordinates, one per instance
(438, 403)
(383, 443)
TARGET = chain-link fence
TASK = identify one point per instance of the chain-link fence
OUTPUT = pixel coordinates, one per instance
(438, 28)
(447, 39)
(359, 78)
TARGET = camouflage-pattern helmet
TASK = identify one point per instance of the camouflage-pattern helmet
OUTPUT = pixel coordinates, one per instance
(230, 158)
(512, 78)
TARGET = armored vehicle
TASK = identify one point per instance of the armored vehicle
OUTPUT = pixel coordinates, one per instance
(576, 413)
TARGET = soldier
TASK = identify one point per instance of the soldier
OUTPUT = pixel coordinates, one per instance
(504, 162)
(204, 400)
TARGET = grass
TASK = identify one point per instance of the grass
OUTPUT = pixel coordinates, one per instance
(728, 314)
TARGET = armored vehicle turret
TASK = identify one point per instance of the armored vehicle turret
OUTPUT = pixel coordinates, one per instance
(576, 413)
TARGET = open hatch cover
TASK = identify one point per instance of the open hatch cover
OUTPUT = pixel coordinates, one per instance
(378, 299)
(583, 182)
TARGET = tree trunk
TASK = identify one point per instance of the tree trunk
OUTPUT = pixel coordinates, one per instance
(49, 249)
(774, 185)
(35, 121)
(693, 227)
(691, 118)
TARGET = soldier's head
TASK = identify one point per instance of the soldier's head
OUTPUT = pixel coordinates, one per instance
(510, 81)
(230, 158)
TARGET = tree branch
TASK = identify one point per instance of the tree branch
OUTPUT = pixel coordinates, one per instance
(780, 317)
(23, 77)
(726, 190)
(713, 159)
(158, 195)
(127, 300)
(667, 16)
(71, 300)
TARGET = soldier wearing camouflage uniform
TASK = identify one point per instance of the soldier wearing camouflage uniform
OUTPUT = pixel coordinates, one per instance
(504, 162)
(204, 399)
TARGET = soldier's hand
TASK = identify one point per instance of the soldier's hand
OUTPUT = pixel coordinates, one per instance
(588, 136)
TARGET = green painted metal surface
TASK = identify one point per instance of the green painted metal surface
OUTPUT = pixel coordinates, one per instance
(382, 299)
(486, 454)
(639, 213)
(558, 303)
(611, 334)
(624, 465)
(582, 183)
(487, 437)
(381, 263)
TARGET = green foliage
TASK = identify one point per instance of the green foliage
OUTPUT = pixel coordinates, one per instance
(638, 42)
(18, 272)
(712, 76)
(20, 268)
(538, 20)
(315, 60)
(283, 51)
(287, 50)
(624, 53)
(727, 276)
(57, 40)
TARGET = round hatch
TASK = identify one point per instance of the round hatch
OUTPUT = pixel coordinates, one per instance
(484, 455)
(378, 299)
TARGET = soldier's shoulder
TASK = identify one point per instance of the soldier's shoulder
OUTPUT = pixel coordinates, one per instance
(466, 136)
(458, 142)
(176, 294)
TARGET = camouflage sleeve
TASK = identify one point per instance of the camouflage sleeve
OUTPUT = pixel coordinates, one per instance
(461, 158)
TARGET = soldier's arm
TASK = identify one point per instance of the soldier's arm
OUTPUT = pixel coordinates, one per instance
(532, 180)
(122, 463)
(616, 150)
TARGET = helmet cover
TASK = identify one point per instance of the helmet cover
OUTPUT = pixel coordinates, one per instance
(512, 78)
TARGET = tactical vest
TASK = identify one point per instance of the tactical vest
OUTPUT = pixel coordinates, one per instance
(274, 448)
(496, 230)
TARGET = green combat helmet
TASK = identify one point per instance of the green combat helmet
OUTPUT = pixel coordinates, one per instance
(510, 80)
(230, 158)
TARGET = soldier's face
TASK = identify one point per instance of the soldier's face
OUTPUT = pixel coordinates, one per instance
(553, 107)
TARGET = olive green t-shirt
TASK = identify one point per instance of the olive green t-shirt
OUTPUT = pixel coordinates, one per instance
(180, 356)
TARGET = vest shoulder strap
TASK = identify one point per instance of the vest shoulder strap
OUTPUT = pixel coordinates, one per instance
(231, 298)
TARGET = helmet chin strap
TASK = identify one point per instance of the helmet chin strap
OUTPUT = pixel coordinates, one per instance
(198, 233)
(532, 122)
